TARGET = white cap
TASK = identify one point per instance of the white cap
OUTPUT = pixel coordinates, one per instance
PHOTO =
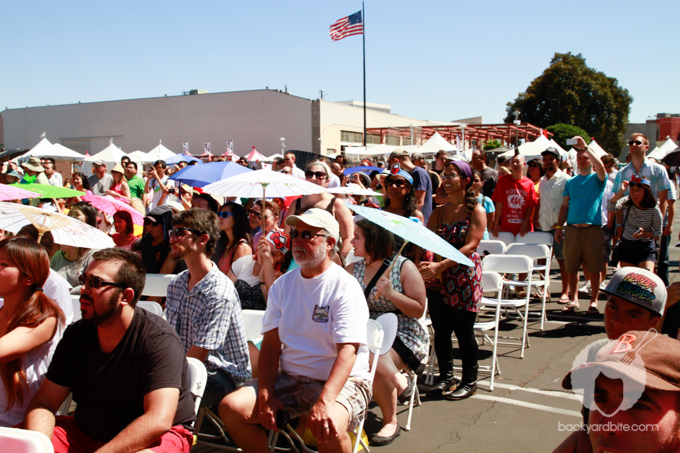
(318, 218)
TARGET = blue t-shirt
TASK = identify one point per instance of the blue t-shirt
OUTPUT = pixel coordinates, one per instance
(489, 207)
(422, 181)
(585, 199)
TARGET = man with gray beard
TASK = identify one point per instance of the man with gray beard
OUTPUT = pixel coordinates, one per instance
(319, 314)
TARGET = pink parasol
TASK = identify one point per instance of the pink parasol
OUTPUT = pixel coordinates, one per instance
(110, 206)
(15, 193)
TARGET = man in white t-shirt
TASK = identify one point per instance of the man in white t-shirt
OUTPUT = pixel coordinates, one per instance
(161, 189)
(318, 314)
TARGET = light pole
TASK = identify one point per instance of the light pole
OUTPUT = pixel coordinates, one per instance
(517, 122)
(283, 146)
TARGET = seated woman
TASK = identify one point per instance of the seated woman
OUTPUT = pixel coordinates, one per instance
(125, 236)
(69, 261)
(31, 325)
(235, 238)
(402, 293)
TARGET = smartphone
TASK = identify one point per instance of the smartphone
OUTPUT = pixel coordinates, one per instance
(571, 141)
(282, 418)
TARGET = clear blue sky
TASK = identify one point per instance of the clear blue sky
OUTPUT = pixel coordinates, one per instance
(440, 60)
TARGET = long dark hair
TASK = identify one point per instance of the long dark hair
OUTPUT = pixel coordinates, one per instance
(470, 197)
(378, 242)
(87, 209)
(83, 178)
(648, 201)
(241, 230)
(32, 260)
(409, 200)
(127, 217)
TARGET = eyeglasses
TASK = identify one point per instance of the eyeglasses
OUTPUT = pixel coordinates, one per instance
(318, 174)
(450, 176)
(634, 142)
(180, 232)
(225, 214)
(395, 182)
(96, 282)
(150, 222)
(306, 235)
(255, 213)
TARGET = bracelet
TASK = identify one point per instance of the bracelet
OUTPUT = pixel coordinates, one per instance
(263, 283)
(558, 227)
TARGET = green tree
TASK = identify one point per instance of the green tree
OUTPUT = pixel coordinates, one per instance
(564, 131)
(492, 144)
(570, 92)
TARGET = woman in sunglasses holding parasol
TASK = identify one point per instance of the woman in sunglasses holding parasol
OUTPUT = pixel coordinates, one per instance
(642, 223)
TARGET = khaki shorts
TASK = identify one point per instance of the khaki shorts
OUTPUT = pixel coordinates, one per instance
(298, 394)
(583, 245)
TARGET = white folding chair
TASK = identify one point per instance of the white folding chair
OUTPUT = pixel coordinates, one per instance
(536, 237)
(492, 282)
(16, 440)
(511, 264)
(151, 307)
(252, 324)
(536, 252)
(490, 247)
(75, 302)
(504, 236)
(198, 376)
(157, 285)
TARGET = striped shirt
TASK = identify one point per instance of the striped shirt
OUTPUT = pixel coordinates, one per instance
(636, 218)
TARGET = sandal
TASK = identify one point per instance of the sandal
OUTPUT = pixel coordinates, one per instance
(564, 299)
(570, 308)
(593, 311)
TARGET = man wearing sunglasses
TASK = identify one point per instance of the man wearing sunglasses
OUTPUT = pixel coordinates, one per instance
(319, 314)
(203, 306)
(660, 184)
(124, 366)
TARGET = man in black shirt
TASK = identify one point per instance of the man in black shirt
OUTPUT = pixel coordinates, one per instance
(125, 368)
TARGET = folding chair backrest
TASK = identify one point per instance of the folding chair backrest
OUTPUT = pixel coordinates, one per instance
(374, 340)
(198, 377)
(533, 251)
(157, 285)
(75, 302)
(491, 248)
(150, 306)
(389, 323)
(491, 281)
(535, 237)
(504, 236)
(507, 264)
(252, 323)
(22, 440)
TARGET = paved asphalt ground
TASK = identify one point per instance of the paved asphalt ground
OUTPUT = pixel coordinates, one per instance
(527, 410)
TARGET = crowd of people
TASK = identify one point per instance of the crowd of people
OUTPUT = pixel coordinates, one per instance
(319, 273)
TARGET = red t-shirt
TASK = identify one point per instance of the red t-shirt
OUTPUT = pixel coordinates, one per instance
(516, 197)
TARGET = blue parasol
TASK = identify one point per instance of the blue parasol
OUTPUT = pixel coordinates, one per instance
(411, 231)
(202, 175)
(177, 158)
(363, 168)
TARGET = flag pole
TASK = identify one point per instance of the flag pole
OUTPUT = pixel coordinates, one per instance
(363, 35)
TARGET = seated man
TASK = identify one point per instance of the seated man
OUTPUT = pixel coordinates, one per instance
(203, 306)
(125, 367)
(319, 314)
(636, 396)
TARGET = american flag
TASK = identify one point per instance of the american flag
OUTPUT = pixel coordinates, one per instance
(347, 26)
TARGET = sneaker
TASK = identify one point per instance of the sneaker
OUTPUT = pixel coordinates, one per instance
(603, 285)
(585, 289)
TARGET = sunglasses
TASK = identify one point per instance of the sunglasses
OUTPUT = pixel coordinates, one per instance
(225, 214)
(634, 142)
(96, 282)
(180, 232)
(395, 182)
(318, 174)
(150, 222)
(285, 172)
(255, 213)
(306, 235)
(639, 185)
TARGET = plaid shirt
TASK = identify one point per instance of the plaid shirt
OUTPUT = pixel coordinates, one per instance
(209, 317)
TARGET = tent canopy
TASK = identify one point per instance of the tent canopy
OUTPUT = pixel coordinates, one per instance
(255, 156)
(434, 144)
(661, 151)
(160, 152)
(375, 150)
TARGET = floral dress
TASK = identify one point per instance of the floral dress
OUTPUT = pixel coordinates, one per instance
(461, 286)
(409, 330)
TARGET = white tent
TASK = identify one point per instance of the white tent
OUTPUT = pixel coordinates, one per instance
(160, 152)
(271, 158)
(665, 148)
(435, 143)
(596, 149)
(140, 157)
(531, 150)
(43, 146)
(373, 150)
(111, 155)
